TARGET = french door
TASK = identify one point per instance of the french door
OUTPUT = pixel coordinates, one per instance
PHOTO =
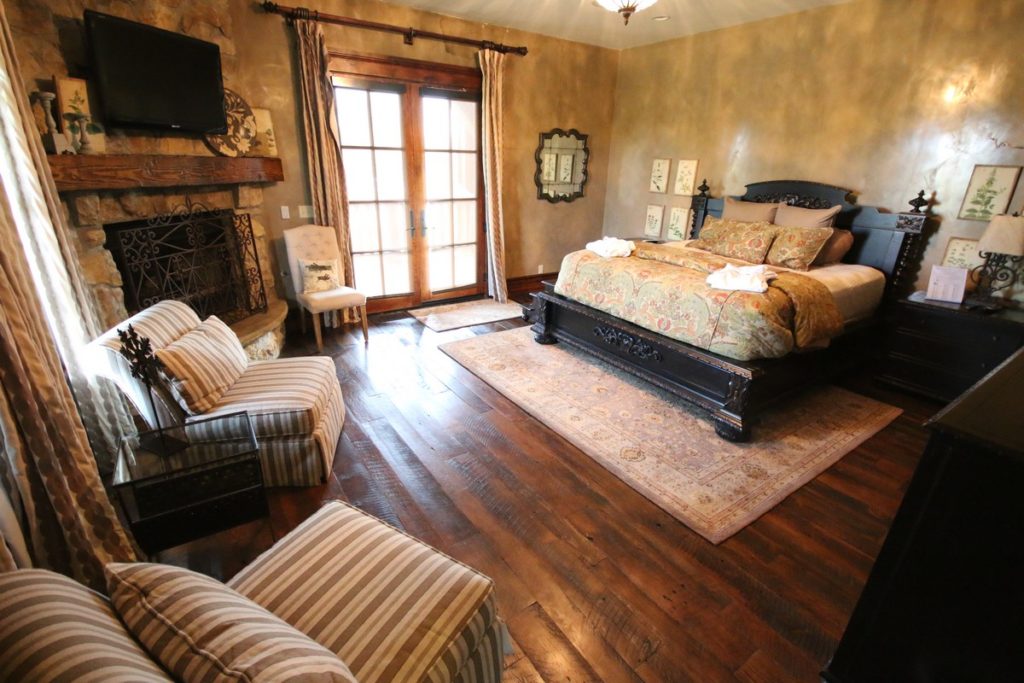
(410, 144)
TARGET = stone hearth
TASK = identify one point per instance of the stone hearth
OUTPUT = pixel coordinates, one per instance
(88, 213)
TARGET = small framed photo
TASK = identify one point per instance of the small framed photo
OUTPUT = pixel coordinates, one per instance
(962, 252)
(989, 192)
(652, 224)
(548, 167)
(659, 175)
(565, 167)
(678, 223)
(686, 177)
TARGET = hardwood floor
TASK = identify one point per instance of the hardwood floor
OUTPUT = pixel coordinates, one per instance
(595, 582)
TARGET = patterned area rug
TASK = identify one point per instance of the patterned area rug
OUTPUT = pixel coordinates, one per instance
(664, 450)
(452, 316)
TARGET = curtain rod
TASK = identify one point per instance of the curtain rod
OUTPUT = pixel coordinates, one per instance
(409, 34)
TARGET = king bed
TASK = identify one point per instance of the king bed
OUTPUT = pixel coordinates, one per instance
(732, 353)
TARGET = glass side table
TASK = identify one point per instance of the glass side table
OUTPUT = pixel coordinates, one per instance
(214, 483)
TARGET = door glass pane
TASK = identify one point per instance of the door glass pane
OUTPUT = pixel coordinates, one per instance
(353, 117)
(358, 174)
(386, 108)
(394, 220)
(439, 223)
(464, 118)
(465, 265)
(438, 172)
(440, 268)
(396, 273)
(435, 123)
(464, 220)
(463, 175)
(390, 175)
(362, 219)
(367, 274)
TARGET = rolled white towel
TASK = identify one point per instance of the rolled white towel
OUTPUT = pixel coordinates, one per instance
(611, 246)
(741, 278)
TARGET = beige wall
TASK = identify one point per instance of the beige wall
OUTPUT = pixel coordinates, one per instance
(560, 84)
(852, 95)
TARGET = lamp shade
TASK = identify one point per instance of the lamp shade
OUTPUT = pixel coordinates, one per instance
(1004, 235)
(625, 7)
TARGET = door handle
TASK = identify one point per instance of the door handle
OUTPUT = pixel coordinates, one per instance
(423, 223)
(412, 223)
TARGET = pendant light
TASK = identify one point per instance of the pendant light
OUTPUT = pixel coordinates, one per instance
(625, 7)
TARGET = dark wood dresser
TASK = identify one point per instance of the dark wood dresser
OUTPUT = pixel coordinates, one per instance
(938, 350)
(945, 599)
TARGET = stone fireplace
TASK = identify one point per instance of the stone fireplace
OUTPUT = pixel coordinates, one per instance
(98, 215)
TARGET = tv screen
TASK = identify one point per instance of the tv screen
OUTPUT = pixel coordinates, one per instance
(149, 77)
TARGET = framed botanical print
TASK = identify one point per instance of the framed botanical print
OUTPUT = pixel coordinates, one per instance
(659, 175)
(652, 224)
(989, 192)
(678, 223)
(74, 115)
(962, 252)
(686, 176)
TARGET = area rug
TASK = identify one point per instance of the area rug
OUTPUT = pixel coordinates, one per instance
(452, 316)
(663, 449)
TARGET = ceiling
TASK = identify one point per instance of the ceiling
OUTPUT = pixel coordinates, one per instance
(586, 22)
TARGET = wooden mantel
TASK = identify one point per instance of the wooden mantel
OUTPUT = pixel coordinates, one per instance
(92, 172)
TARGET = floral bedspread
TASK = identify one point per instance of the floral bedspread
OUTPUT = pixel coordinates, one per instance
(662, 288)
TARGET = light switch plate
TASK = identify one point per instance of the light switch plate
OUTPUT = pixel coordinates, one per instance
(286, 213)
(305, 211)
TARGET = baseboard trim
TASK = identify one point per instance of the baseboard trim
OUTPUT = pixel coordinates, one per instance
(524, 284)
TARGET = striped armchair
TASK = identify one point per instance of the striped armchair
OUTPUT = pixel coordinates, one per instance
(344, 597)
(295, 404)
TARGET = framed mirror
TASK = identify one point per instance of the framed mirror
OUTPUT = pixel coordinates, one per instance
(561, 165)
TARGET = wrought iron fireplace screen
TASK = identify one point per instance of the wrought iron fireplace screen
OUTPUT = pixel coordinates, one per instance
(204, 258)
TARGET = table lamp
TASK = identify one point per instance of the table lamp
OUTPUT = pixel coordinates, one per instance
(1002, 247)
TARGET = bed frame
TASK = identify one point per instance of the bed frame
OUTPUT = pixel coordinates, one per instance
(732, 391)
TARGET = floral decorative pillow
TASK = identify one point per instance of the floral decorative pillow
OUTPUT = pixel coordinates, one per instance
(319, 276)
(716, 227)
(748, 242)
(797, 248)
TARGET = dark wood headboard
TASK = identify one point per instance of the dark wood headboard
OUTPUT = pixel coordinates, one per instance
(886, 241)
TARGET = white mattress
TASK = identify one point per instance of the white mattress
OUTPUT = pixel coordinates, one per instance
(856, 289)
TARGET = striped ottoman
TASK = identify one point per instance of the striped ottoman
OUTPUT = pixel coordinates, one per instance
(391, 607)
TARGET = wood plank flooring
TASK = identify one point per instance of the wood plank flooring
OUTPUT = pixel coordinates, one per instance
(595, 582)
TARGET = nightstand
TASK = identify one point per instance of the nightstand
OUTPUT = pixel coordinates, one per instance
(215, 483)
(939, 349)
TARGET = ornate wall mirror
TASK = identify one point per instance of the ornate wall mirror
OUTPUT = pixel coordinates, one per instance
(561, 165)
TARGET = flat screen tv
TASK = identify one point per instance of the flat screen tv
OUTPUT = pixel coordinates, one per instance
(148, 77)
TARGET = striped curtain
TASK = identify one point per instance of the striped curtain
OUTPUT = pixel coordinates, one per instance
(492, 64)
(46, 463)
(323, 151)
(70, 309)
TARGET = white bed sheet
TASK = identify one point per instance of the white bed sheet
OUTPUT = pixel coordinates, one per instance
(856, 289)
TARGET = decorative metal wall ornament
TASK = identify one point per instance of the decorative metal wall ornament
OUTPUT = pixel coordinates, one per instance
(241, 128)
(205, 258)
(146, 367)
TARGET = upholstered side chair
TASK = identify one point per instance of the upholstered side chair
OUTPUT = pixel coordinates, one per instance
(319, 243)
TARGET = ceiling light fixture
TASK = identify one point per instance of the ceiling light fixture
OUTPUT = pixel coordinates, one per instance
(626, 7)
(663, 17)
